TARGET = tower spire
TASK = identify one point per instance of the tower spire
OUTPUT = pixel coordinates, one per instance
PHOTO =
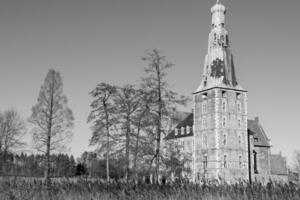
(219, 67)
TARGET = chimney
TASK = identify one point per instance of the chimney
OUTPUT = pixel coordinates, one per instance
(256, 119)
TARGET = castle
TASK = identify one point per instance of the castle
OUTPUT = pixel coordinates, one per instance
(223, 142)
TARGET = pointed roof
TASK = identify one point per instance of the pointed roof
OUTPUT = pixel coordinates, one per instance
(259, 135)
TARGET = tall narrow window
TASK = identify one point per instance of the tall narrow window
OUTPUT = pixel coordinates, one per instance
(205, 143)
(188, 130)
(239, 107)
(255, 162)
(203, 122)
(239, 122)
(176, 131)
(182, 130)
(204, 107)
(224, 140)
(224, 105)
(224, 122)
(240, 162)
(240, 140)
(225, 161)
(205, 162)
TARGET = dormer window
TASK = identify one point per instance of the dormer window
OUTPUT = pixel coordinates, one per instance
(182, 130)
(188, 130)
(176, 131)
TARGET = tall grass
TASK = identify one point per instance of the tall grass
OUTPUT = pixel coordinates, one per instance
(21, 189)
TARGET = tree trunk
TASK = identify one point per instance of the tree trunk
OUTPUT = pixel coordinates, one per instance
(158, 125)
(48, 143)
(127, 147)
(136, 153)
(107, 141)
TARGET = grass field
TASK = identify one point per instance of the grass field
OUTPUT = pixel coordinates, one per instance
(34, 189)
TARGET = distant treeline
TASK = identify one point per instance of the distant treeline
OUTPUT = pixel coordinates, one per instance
(32, 165)
(62, 165)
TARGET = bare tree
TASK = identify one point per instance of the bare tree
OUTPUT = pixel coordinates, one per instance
(51, 118)
(163, 100)
(103, 117)
(128, 100)
(12, 130)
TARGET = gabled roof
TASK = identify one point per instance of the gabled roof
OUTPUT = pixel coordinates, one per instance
(259, 135)
(254, 127)
(278, 165)
(187, 122)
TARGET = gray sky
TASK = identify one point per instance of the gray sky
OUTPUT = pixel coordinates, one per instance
(102, 40)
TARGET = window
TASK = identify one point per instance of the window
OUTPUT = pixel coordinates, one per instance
(188, 130)
(205, 143)
(240, 162)
(239, 107)
(225, 161)
(176, 131)
(224, 93)
(224, 105)
(204, 95)
(205, 162)
(203, 122)
(238, 95)
(224, 139)
(204, 107)
(240, 140)
(255, 162)
(224, 122)
(182, 130)
(239, 122)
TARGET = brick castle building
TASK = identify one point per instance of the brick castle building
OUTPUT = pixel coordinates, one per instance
(223, 142)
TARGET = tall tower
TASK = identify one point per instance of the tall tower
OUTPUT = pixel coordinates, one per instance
(220, 111)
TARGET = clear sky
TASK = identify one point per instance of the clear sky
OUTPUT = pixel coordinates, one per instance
(103, 40)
